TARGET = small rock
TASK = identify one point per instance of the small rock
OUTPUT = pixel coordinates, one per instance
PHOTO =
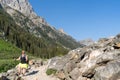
(60, 75)
(3, 78)
(118, 35)
(75, 73)
(82, 78)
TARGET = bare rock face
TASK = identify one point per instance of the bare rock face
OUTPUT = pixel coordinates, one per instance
(20, 5)
(87, 42)
(99, 61)
(24, 7)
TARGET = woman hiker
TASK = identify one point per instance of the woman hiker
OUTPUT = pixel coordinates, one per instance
(22, 67)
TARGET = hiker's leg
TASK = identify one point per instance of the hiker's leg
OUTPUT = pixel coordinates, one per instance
(19, 70)
(23, 71)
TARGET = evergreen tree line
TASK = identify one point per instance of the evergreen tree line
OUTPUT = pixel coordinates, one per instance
(41, 47)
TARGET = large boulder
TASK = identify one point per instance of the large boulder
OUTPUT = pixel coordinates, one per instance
(89, 64)
(109, 72)
(57, 63)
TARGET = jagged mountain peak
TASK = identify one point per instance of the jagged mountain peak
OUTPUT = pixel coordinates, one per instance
(22, 6)
(62, 31)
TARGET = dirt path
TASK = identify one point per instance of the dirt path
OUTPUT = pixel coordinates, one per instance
(38, 74)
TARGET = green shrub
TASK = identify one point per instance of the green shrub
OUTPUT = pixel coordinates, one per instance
(51, 71)
(7, 64)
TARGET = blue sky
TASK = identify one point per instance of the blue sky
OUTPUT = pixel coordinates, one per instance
(81, 19)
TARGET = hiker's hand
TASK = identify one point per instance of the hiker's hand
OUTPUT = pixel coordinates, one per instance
(14, 59)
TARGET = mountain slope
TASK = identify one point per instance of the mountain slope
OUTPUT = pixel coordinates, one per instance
(35, 37)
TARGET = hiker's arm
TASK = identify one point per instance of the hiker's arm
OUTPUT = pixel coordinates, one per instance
(26, 57)
(18, 58)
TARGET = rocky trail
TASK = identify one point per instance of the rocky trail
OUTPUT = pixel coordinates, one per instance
(36, 71)
(39, 73)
